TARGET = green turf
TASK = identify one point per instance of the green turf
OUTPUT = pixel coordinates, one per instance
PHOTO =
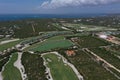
(50, 44)
(58, 69)
(10, 72)
(55, 44)
(9, 45)
(57, 38)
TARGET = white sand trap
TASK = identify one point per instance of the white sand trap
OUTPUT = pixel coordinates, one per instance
(65, 28)
(7, 41)
(19, 65)
(1, 78)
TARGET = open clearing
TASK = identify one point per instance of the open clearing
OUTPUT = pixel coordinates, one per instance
(59, 70)
(10, 72)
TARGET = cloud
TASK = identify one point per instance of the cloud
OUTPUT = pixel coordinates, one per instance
(53, 4)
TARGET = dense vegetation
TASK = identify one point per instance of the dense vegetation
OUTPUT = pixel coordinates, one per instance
(27, 28)
(33, 63)
(20, 27)
(89, 41)
(88, 68)
(108, 56)
(34, 68)
(117, 35)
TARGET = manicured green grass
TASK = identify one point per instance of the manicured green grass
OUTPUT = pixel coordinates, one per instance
(55, 44)
(58, 69)
(10, 72)
(56, 38)
(51, 43)
(9, 45)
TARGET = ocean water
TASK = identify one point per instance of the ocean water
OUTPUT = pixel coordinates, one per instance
(8, 17)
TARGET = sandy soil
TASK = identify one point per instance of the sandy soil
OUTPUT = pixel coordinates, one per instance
(20, 66)
(7, 41)
(1, 76)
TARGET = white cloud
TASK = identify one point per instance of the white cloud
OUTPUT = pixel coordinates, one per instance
(53, 4)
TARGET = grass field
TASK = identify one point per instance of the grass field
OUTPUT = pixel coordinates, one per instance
(9, 45)
(10, 72)
(56, 38)
(58, 69)
(51, 44)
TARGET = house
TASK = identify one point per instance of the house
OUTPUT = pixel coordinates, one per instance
(70, 52)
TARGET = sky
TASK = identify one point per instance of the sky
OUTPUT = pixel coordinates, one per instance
(59, 6)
